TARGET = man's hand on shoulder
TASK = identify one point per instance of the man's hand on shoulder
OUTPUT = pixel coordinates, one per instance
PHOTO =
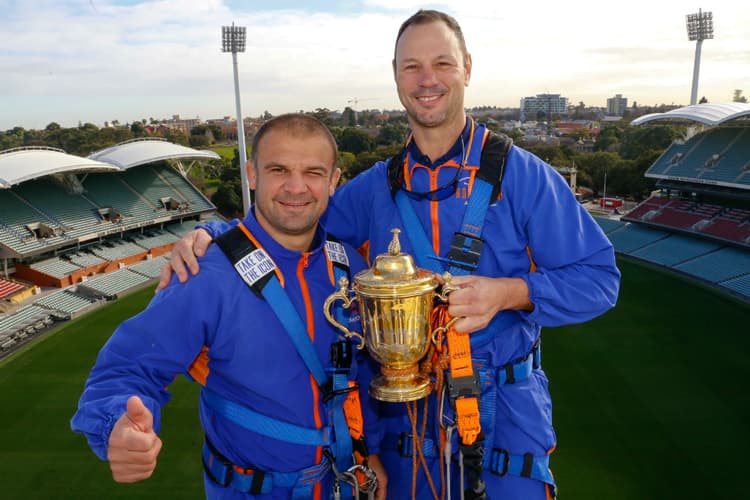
(185, 253)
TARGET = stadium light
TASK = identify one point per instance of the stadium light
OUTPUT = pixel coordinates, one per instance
(233, 40)
(700, 27)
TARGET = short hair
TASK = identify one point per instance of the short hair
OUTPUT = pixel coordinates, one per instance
(295, 124)
(427, 16)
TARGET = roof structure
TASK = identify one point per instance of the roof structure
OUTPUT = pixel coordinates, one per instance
(710, 114)
(23, 164)
(141, 151)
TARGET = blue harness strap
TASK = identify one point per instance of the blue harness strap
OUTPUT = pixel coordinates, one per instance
(256, 482)
(257, 270)
(262, 424)
(502, 462)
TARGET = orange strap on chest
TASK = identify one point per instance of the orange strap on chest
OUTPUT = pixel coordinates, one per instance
(463, 386)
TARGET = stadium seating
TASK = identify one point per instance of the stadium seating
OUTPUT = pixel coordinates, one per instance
(710, 219)
(724, 264)
(675, 249)
(609, 225)
(631, 237)
(23, 322)
(150, 268)
(718, 155)
(55, 267)
(110, 285)
(8, 288)
(741, 285)
(66, 301)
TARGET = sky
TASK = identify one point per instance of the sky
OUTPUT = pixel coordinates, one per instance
(78, 61)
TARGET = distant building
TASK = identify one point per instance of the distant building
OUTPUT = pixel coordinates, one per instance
(617, 105)
(184, 125)
(548, 104)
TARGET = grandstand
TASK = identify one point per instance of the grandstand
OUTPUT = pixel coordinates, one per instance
(75, 232)
(698, 223)
(704, 179)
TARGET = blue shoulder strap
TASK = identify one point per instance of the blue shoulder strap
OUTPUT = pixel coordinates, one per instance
(463, 256)
(466, 248)
(258, 271)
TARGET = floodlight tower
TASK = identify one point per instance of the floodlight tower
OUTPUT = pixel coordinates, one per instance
(700, 27)
(233, 40)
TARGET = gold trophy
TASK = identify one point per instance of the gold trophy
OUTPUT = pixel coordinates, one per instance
(395, 299)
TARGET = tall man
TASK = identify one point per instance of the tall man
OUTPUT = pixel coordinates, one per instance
(278, 401)
(530, 256)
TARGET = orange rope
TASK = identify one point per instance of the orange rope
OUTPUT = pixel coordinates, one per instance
(435, 364)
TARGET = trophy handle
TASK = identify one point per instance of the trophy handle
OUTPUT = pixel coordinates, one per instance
(447, 288)
(343, 294)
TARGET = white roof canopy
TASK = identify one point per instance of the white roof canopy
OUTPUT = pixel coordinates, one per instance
(23, 164)
(711, 114)
(141, 151)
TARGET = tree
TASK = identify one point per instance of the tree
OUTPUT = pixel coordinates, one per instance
(738, 97)
(349, 117)
(228, 199)
(137, 129)
(391, 133)
(355, 140)
(324, 115)
(198, 141)
(637, 140)
(609, 139)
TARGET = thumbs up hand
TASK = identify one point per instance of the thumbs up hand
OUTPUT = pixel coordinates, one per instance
(133, 444)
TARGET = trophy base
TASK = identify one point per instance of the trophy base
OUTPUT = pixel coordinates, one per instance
(400, 389)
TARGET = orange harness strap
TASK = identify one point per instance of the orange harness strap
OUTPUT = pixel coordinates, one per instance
(463, 386)
(355, 422)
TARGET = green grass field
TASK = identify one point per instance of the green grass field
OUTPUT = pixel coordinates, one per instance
(649, 403)
(226, 152)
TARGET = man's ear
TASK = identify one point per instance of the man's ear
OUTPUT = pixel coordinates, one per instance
(467, 70)
(252, 179)
(335, 177)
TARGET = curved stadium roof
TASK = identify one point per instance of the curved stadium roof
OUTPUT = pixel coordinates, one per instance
(711, 114)
(23, 164)
(141, 151)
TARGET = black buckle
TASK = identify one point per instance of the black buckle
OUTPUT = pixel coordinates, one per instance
(228, 466)
(467, 386)
(506, 462)
(341, 355)
(465, 251)
(329, 393)
(360, 446)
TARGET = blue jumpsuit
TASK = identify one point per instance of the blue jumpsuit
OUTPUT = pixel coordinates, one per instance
(250, 358)
(537, 231)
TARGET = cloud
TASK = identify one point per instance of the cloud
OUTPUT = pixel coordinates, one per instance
(72, 60)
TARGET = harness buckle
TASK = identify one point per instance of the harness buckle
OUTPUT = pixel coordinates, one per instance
(465, 251)
(497, 453)
(459, 387)
(341, 355)
(329, 393)
(360, 478)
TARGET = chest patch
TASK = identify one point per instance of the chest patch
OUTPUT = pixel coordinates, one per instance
(336, 253)
(254, 266)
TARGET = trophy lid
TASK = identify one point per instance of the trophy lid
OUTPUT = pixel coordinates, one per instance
(394, 273)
